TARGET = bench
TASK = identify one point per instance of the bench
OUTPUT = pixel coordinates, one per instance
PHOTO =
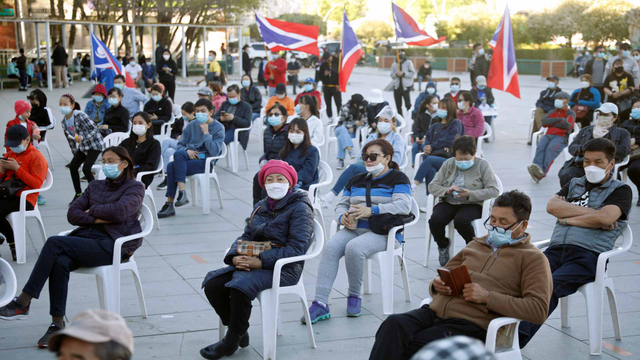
(8, 80)
(435, 80)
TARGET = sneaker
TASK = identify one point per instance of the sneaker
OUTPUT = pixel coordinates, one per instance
(14, 311)
(84, 79)
(354, 304)
(166, 211)
(162, 185)
(340, 164)
(443, 254)
(44, 340)
(182, 199)
(413, 188)
(538, 171)
(326, 200)
(317, 312)
(41, 200)
(531, 170)
(84, 179)
(352, 154)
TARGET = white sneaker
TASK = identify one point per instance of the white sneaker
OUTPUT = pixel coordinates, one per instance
(84, 79)
(326, 200)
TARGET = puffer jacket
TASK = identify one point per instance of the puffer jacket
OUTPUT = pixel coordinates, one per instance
(274, 141)
(118, 201)
(618, 135)
(290, 225)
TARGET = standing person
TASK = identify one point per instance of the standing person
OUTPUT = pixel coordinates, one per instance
(470, 116)
(214, 70)
(84, 140)
(116, 119)
(159, 58)
(480, 63)
(167, 74)
(545, 103)
(293, 69)
(235, 114)
(282, 98)
(246, 60)
(131, 98)
(97, 106)
(426, 117)
(85, 67)
(618, 88)
(307, 109)
(21, 64)
(633, 127)
(148, 74)
(629, 65)
(159, 108)
(310, 89)
(261, 79)
(454, 88)
(251, 95)
(135, 71)
(585, 100)
(402, 76)
(39, 114)
(223, 49)
(424, 73)
(330, 75)
(59, 58)
(142, 147)
(596, 67)
(275, 72)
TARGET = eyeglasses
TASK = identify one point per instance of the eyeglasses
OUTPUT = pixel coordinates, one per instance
(499, 230)
(372, 156)
(274, 114)
(110, 161)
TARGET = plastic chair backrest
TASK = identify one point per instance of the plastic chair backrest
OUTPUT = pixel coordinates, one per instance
(114, 139)
(51, 117)
(319, 239)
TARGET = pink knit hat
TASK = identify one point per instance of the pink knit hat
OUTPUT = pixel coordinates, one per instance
(21, 106)
(278, 167)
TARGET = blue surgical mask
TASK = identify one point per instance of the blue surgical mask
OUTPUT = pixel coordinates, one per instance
(626, 53)
(234, 101)
(481, 87)
(148, 63)
(275, 120)
(636, 57)
(186, 119)
(20, 117)
(65, 110)
(202, 117)
(442, 114)
(156, 98)
(464, 164)
(98, 98)
(384, 127)
(551, 85)
(18, 149)
(210, 58)
(297, 109)
(111, 171)
(558, 103)
(499, 239)
(455, 88)
(308, 88)
(431, 90)
(601, 55)
(246, 83)
(113, 101)
(41, 61)
(635, 113)
(481, 52)
(118, 86)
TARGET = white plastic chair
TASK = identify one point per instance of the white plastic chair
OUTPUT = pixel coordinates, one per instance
(113, 139)
(511, 352)
(234, 145)
(531, 122)
(478, 224)
(325, 177)
(270, 299)
(535, 138)
(45, 143)
(149, 194)
(165, 129)
(108, 276)
(18, 219)
(330, 138)
(401, 124)
(488, 134)
(385, 263)
(567, 154)
(203, 180)
(617, 166)
(10, 282)
(594, 294)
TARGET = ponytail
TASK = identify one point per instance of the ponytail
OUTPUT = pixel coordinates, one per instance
(393, 165)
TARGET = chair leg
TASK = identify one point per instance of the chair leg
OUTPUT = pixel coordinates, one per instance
(594, 300)
(427, 245)
(136, 279)
(246, 158)
(42, 230)
(405, 277)
(234, 156)
(305, 310)
(112, 290)
(366, 277)
(386, 283)
(565, 316)
(613, 306)
(218, 190)
(193, 183)
(269, 309)
(452, 238)
(152, 203)
(19, 234)
(204, 189)
(50, 158)
(100, 281)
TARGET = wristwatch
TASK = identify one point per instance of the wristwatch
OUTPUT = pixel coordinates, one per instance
(564, 222)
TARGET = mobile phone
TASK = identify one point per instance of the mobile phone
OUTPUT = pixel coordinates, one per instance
(202, 156)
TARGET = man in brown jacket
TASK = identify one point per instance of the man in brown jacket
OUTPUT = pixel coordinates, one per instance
(510, 277)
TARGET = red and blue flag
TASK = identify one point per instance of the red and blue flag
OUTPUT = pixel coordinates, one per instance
(107, 66)
(407, 30)
(351, 52)
(503, 72)
(281, 35)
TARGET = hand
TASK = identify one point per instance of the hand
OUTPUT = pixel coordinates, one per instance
(271, 77)
(634, 146)
(78, 139)
(271, 67)
(427, 149)
(345, 220)
(192, 154)
(205, 128)
(36, 136)
(475, 293)
(327, 72)
(36, 132)
(104, 127)
(399, 74)
(153, 117)
(361, 211)
(441, 287)
(615, 95)
(247, 263)
(463, 193)
(613, 226)
(452, 189)
(359, 123)
(10, 164)
(420, 141)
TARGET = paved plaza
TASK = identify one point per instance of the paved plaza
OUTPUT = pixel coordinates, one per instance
(174, 259)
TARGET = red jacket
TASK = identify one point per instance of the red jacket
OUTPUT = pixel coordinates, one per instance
(30, 126)
(315, 93)
(279, 73)
(559, 121)
(32, 171)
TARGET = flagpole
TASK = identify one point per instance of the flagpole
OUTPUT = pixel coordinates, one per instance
(341, 51)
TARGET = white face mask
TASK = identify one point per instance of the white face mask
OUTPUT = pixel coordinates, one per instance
(384, 127)
(375, 170)
(584, 84)
(461, 106)
(595, 174)
(139, 129)
(296, 138)
(604, 121)
(166, 57)
(280, 96)
(277, 191)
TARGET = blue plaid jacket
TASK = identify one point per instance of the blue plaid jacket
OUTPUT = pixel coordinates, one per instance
(85, 128)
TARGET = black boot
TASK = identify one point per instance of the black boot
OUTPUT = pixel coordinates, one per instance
(224, 347)
(166, 211)
(182, 198)
(244, 340)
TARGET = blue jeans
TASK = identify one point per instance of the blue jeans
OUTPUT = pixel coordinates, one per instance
(571, 267)
(169, 147)
(347, 174)
(179, 169)
(415, 149)
(344, 140)
(420, 82)
(272, 91)
(228, 136)
(428, 169)
(255, 116)
(549, 147)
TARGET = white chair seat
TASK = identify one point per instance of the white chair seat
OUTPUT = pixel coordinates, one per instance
(203, 181)
(165, 129)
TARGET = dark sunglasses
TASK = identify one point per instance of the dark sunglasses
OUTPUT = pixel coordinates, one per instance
(274, 114)
(372, 156)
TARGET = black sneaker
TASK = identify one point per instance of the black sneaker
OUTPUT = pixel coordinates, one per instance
(14, 311)
(182, 198)
(443, 254)
(162, 185)
(340, 164)
(84, 179)
(44, 340)
(166, 211)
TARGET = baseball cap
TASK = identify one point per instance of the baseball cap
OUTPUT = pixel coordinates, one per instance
(309, 80)
(562, 95)
(95, 326)
(481, 80)
(553, 78)
(17, 133)
(281, 88)
(205, 91)
(608, 108)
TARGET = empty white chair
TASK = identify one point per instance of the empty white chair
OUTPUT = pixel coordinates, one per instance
(330, 138)
(18, 219)
(45, 143)
(325, 177)
(8, 276)
(203, 180)
(165, 129)
(270, 299)
(233, 152)
(108, 276)
(148, 193)
(488, 133)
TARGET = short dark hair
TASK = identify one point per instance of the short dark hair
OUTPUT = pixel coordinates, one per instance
(158, 88)
(115, 90)
(518, 201)
(121, 77)
(456, 78)
(602, 145)
(235, 88)
(188, 107)
(465, 144)
(476, 45)
(625, 46)
(599, 47)
(204, 102)
(21, 51)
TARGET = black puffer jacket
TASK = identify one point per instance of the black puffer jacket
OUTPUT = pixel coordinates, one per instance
(618, 135)
(274, 141)
(290, 225)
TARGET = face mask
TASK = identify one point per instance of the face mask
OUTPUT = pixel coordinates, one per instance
(635, 113)
(280, 96)
(65, 110)
(234, 101)
(118, 86)
(595, 174)
(455, 88)
(246, 83)
(275, 120)
(296, 138)
(111, 171)
(297, 109)
(636, 57)
(461, 106)
(132, 62)
(551, 85)
(499, 239)
(41, 61)
(587, 53)
(139, 129)
(18, 149)
(166, 57)
(376, 169)
(464, 164)
(210, 58)
(481, 52)
(98, 98)
(626, 53)
(619, 69)
(308, 87)
(113, 101)
(202, 117)
(156, 98)
(442, 114)
(384, 127)
(277, 191)
(431, 91)
(20, 117)
(604, 121)
(584, 84)
(558, 103)
(148, 63)
(481, 87)
(601, 55)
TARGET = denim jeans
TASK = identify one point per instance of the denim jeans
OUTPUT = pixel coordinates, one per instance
(347, 174)
(344, 140)
(428, 169)
(571, 267)
(272, 91)
(255, 116)
(415, 149)
(549, 147)
(169, 147)
(228, 136)
(420, 83)
(179, 169)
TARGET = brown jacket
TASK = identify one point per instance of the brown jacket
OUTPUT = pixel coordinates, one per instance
(517, 276)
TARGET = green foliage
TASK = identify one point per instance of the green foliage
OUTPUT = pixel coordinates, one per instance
(370, 31)
(604, 21)
(305, 19)
(460, 25)
(521, 54)
(355, 9)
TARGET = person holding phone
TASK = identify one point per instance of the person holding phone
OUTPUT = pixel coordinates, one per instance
(235, 114)
(424, 120)
(202, 138)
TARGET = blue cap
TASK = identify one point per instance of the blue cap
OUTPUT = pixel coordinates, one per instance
(309, 80)
(15, 135)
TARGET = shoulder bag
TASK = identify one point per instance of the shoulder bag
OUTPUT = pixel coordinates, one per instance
(9, 188)
(580, 110)
(381, 224)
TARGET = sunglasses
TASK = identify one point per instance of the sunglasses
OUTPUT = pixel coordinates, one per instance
(274, 114)
(372, 156)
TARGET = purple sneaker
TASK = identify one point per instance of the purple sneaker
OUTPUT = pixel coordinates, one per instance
(317, 312)
(354, 304)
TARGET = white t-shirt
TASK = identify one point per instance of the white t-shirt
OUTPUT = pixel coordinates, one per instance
(315, 130)
(133, 70)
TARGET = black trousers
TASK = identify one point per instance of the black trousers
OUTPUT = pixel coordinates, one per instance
(462, 216)
(232, 305)
(8, 206)
(23, 78)
(258, 192)
(332, 92)
(399, 94)
(60, 256)
(170, 87)
(633, 170)
(81, 158)
(569, 172)
(401, 335)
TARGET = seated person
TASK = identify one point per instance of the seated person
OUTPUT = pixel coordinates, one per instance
(142, 147)
(106, 211)
(429, 90)
(633, 127)
(482, 95)
(28, 165)
(421, 124)
(205, 93)
(235, 114)
(299, 153)
(282, 98)
(12, 69)
(307, 108)
(251, 95)
(201, 139)
(462, 184)
(39, 114)
(353, 115)
(605, 127)
(587, 97)
(438, 143)
(309, 87)
(275, 135)
(545, 102)
(470, 116)
(131, 98)
(159, 108)
(170, 144)
(218, 95)
(285, 219)
(23, 113)
(97, 106)
(116, 119)
(386, 130)
(424, 73)
(591, 210)
(148, 73)
(375, 104)
(355, 241)
(559, 123)
(517, 284)
(455, 92)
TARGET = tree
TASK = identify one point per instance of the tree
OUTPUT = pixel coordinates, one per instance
(567, 18)
(370, 31)
(540, 27)
(459, 25)
(355, 9)
(604, 21)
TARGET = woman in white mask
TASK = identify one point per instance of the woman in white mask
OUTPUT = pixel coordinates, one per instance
(142, 147)
(167, 74)
(307, 108)
(284, 221)
(390, 194)
(585, 100)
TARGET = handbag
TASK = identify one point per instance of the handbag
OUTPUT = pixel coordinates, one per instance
(381, 224)
(580, 110)
(254, 248)
(9, 188)
(445, 152)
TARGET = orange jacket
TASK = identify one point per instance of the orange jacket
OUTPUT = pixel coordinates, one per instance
(32, 171)
(287, 102)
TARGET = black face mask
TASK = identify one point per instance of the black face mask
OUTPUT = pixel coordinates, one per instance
(619, 69)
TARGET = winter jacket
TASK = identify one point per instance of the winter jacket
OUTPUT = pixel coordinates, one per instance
(306, 165)
(559, 122)
(633, 127)
(331, 80)
(547, 97)
(163, 109)
(480, 179)
(440, 137)
(165, 77)
(480, 66)
(279, 73)
(313, 92)
(478, 95)
(473, 122)
(241, 119)
(118, 201)
(407, 78)
(39, 114)
(588, 97)
(177, 127)
(32, 171)
(290, 226)
(83, 126)
(273, 142)
(96, 113)
(421, 125)
(373, 110)
(59, 56)
(618, 135)
(422, 97)
(117, 118)
(252, 97)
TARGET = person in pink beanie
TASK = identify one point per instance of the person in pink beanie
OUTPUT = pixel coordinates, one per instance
(23, 112)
